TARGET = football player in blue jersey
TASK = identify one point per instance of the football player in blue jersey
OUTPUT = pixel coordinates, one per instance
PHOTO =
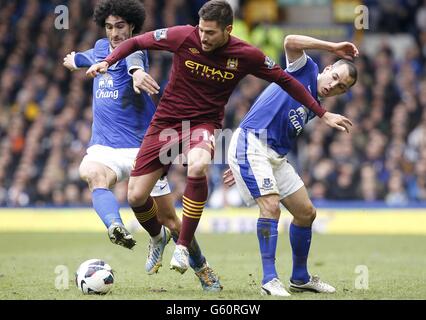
(122, 111)
(258, 164)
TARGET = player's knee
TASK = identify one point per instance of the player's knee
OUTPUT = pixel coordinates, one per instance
(271, 210)
(82, 170)
(275, 210)
(93, 176)
(197, 168)
(309, 214)
(136, 198)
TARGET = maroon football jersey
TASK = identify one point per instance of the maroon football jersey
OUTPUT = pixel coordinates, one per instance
(201, 82)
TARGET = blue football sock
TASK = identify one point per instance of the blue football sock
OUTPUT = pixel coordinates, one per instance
(196, 258)
(267, 234)
(106, 206)
(300, 240)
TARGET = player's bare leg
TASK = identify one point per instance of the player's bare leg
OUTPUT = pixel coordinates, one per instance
(194, 199)
(140, 187)
(145, 208)
(304, 213)
(100, 180)
(267, 234)
(167, 213)
(301, 207)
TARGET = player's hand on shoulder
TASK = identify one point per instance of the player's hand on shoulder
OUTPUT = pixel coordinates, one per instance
(337, 121)
(346, 50)
(69, 61)
(228, 178)
(96, 68)
(143, 81)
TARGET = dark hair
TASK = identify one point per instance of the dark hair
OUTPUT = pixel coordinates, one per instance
(132, 11)
(353, 72)
(219, 11)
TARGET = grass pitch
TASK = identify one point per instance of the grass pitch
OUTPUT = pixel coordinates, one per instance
(396, 266)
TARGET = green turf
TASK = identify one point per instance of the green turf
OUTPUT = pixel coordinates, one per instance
(396, 265)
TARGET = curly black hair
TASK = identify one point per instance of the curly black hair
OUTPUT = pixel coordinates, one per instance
(132, 11)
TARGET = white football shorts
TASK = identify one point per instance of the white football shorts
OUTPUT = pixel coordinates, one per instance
(120, 160)
(259, 170)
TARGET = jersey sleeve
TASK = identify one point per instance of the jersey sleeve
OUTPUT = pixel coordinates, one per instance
(169, 39)
(136, 61)
(84, 59)
(296, 64)
(265, 68)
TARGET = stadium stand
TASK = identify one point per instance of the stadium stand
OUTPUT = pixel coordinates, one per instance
(46, 111)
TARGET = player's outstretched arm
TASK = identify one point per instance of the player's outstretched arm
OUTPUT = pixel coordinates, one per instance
(294, 45)
(123, 50)
(76, 60)
(265, 68)
(168, 39)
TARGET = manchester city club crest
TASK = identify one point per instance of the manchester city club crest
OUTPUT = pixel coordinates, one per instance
(232, 64)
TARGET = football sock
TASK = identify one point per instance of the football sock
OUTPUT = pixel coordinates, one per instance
(300, 240)
(106, 206)
(194, 199)
(196, 258)
(147, 217)
(267, 234)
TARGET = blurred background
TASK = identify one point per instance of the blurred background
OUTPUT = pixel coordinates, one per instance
(45, 116)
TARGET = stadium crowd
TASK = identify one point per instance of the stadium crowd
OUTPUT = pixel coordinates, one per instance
(45, 118)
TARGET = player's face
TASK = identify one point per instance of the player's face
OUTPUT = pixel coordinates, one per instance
(212, 36)
(117, 30)
(334, 80)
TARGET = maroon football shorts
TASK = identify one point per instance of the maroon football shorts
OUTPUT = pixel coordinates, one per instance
(161, 146)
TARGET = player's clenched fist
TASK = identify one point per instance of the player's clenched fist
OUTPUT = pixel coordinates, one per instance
(94, 69)
(345, 50)
(69, 61)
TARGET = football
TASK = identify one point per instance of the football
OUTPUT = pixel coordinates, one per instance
(94, 276)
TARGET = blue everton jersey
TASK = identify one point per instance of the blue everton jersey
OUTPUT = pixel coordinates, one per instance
(282, 116)
(120, 116)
